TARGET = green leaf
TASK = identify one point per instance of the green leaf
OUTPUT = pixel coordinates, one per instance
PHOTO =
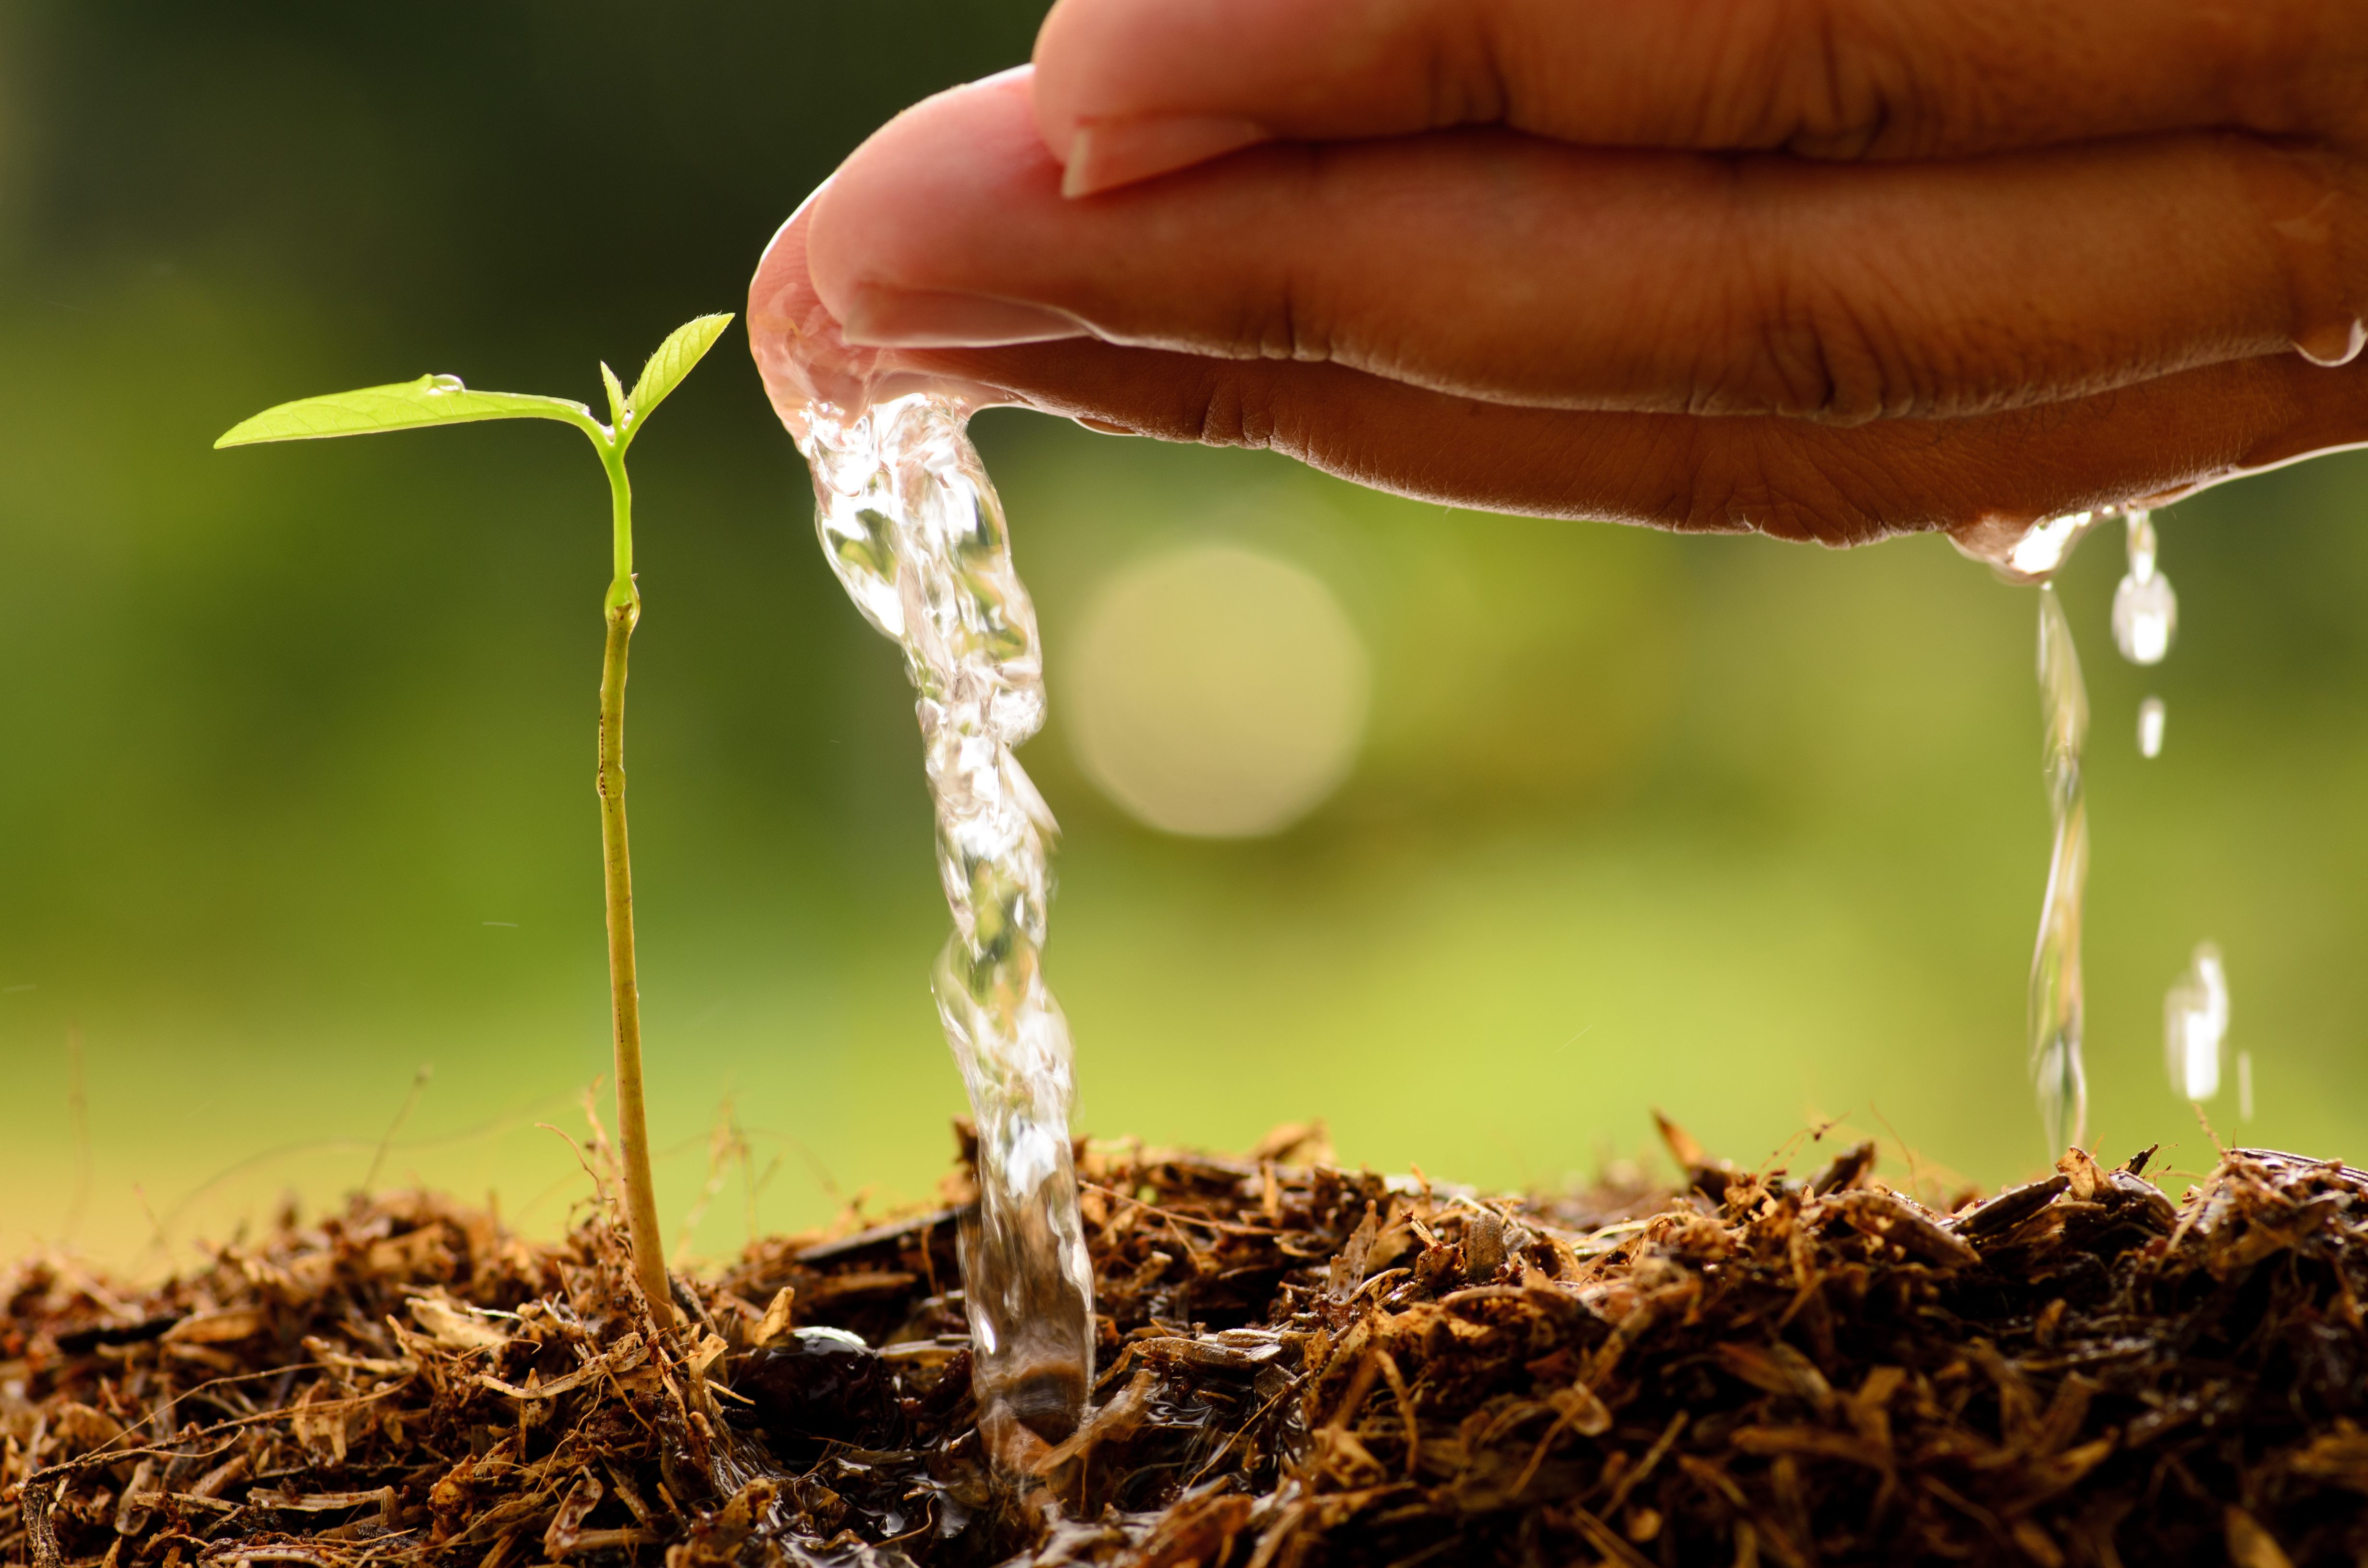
(685, 347)
(617, 404)
(405, 406)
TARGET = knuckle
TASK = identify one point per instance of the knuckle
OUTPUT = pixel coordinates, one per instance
(1817, 349)
(1854, 85)
(1226, 408)
(2292, 64)
(1286, 319)
(1282, 309)
(1472, 70)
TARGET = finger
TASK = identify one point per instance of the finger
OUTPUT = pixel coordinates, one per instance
(1983, 480)
(802, 357)
(1979, 477)
(1131, 89)
(1503, 266)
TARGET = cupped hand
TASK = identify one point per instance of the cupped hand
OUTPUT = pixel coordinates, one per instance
(1824, 268)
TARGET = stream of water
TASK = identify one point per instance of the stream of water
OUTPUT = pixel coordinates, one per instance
(2057, 1011)
(913, 529)
(2195, 1012)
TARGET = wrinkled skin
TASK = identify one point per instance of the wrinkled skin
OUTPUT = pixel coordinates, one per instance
(1827, 269)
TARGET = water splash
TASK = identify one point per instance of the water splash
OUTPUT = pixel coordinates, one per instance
(2195, 1028)
(2057, 1068)
(2151, 716)
(913, 528)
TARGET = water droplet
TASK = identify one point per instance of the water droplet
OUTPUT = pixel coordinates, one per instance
(2146, 612)
(2334, 341)
(2150, 719)
(2145, 618)
(2195, 1025)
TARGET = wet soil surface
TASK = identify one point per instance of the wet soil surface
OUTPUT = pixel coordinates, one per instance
(1299, 1366)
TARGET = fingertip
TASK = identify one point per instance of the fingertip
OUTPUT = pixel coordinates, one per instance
(781, 250)
(802, 355)
(833, 269)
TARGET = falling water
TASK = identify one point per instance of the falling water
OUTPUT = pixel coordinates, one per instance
(2195, 1012)
(2055, 1003)
(914, 530)
(2145, 618)
(2146, 612)
(2057, 1071)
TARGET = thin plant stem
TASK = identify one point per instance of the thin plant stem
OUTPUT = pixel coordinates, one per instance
(442, 400)
(623, 609)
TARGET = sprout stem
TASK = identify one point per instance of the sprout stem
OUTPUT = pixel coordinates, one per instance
(623, 609)
(443, 400)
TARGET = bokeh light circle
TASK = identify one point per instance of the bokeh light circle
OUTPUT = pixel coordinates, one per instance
(1216, 691)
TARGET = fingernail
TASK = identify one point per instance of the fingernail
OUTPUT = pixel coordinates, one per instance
(880, 317)
(1108, 153)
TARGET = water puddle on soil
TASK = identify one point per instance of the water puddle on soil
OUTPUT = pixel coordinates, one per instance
(913, 528)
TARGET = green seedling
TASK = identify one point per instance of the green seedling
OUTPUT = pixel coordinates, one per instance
(442, 400)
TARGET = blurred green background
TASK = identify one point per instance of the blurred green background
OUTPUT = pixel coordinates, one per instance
(1749, 832)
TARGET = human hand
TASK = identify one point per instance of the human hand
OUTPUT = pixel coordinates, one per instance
(1828, 270)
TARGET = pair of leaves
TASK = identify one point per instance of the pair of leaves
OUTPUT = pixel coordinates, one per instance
(443, 400)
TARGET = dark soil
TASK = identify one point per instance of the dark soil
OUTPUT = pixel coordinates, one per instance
(1301, 1366)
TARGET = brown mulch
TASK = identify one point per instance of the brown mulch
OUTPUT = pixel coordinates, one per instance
(1301, 1366)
